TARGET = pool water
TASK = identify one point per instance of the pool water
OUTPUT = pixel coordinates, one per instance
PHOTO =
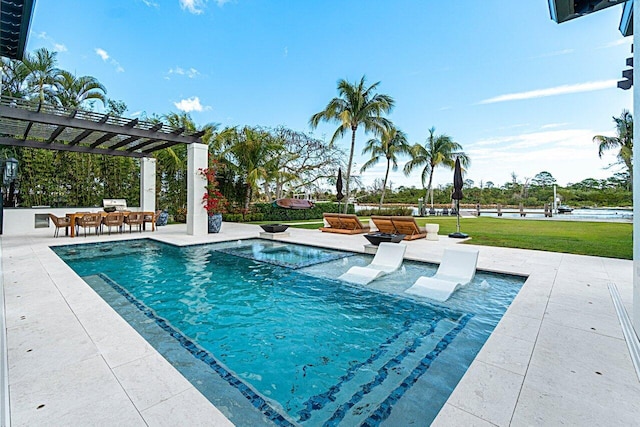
(267, 333)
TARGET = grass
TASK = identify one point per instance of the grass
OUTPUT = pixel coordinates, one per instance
(605, 239)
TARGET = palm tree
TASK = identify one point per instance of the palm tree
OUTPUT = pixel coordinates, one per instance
(250, 153)
(438, 150)
(624, 141)
(42, 75)
(356, 105)
(392, 142)
(14, 75)
(72, 91)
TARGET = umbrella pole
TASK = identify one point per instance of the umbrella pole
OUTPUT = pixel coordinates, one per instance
(458, 214)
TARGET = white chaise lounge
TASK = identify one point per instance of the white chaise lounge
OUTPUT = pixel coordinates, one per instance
(458, 267)
(388, 258)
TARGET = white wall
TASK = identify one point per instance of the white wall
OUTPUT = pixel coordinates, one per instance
(20, 221)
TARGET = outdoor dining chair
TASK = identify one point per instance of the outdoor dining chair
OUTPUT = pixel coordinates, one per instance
(60, 222)
(114, 219)
(90, 220)
(135, 218)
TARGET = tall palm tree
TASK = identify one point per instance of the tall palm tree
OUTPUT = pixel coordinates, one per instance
(42, 75)
(72, 91)
(356, 105)
(438, 150)
(623, 141)
(392, 143)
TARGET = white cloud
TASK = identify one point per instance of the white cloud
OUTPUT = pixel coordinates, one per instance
(197, 6)
(553, 91)
(105, 57)
(553, 125)
(150, 3)
(190, 104)
(190, 72)
(193, 6)
(102, 53)
(58, 47)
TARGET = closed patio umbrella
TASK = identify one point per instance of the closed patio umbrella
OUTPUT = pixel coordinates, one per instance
(339, 195)
(457, 196)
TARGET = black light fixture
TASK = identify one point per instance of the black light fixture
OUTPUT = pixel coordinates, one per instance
(10, 170)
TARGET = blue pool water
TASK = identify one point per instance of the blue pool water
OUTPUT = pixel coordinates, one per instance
(266, 332)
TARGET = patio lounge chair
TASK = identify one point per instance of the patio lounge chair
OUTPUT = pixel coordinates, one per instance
(388, 258)
(458, 267)
(343, 224)
(60, 222)
(384, 224)
(407, 225)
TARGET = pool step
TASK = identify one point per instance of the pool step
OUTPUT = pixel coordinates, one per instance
(369, 393)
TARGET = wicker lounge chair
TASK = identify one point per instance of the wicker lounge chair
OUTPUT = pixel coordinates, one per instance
(458, 267)
(344, 224)
(60, 222)
(115, 219)
(407, 225)
(388, 258)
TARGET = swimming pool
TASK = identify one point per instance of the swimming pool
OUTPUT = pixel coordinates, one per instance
(265, 331)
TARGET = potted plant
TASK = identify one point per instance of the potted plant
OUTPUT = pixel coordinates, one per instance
(213, 200)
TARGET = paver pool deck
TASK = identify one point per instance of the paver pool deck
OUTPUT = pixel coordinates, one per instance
(557, 357)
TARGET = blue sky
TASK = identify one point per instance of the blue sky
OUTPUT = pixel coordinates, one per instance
(519, 92)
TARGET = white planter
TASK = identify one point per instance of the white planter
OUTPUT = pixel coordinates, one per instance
(432, 231)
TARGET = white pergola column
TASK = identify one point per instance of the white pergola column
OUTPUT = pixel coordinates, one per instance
(636, 175)
(148, 184)
(197, 158)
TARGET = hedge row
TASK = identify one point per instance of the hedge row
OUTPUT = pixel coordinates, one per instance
(270, 212)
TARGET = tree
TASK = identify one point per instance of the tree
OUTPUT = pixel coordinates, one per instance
(42, 75)
(72, 91)
(302, 164)
(543, 179)
(357, 105)
(623, 141)
(250, 152)
(392, 142)
(14, 75)
(438, 150)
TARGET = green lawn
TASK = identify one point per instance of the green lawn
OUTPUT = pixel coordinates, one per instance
(606, 239)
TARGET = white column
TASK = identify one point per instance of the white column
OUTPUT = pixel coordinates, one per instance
(636, 176)
(197, 158)
(148, 184)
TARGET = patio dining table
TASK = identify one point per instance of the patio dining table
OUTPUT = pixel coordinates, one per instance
(75, 215)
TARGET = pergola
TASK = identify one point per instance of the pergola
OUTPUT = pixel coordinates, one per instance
(26, 123)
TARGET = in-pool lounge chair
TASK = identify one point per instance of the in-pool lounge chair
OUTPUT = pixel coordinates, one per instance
(388, 258)
(343, 224)
(407, 225)
(458, 267)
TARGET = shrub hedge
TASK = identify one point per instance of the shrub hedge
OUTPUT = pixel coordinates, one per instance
(270, 212)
